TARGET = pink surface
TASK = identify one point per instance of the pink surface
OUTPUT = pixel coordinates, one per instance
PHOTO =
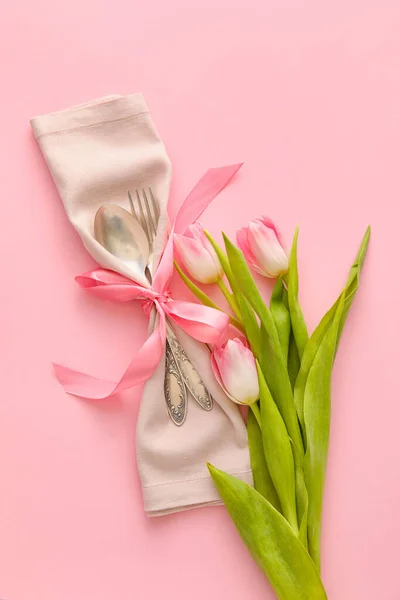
(308, 95)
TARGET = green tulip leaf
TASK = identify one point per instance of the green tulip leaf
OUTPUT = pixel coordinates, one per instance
(293, 359)
(317, 410)
(224, 263)
(261, 476)
(293, 362)
(277, 378)
(278, 452)
(317, 336)
(301, 497)
(250, 323)
(353, 281)
(246, 284)
(281, 316)
(270, 540)
(298, 323)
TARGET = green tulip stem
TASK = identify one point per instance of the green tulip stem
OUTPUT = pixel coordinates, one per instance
(206, 300)
(256, 412)
(229, 297)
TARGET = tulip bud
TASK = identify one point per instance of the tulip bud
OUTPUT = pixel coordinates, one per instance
(195, 253)
(262, 247)
(234, 367)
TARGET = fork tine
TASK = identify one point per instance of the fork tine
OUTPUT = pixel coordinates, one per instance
(149, 215)
(156, 208)
(133, 210)
(143, 218)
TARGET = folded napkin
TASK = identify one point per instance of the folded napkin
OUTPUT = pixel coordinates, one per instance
(96, 152)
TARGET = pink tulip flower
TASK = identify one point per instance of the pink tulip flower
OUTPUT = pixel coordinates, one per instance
(234, 367)
(262, 247)
(194, 252)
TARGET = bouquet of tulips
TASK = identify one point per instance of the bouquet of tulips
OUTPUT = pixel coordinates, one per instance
(284, 375)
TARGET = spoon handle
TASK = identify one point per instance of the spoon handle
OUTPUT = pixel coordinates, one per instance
(174, 388)
(190, 376)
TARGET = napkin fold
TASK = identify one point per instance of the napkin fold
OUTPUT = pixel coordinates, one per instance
(96, 152)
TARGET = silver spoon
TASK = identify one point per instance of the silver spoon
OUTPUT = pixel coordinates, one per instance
(119, 233)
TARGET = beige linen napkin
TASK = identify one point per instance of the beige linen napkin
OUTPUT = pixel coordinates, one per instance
(96, 152)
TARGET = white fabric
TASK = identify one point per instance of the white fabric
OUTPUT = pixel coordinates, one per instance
(96, 152)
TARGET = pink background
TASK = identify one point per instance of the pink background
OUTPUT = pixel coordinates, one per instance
(307, 93)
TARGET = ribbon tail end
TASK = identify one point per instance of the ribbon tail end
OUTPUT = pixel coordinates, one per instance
(82, 385)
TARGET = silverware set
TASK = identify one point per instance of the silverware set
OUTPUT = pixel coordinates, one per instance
(130, 237)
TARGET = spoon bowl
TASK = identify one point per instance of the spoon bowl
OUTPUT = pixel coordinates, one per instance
(123, 236)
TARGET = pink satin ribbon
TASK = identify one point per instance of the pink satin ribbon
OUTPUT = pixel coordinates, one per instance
(202, 323)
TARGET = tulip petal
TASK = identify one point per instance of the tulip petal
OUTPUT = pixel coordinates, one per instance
(217, 375)
(269, 254)
(196, 259)
(271, 225)
(196, 231)
(262, 247)
(237, 370)
(242, 239)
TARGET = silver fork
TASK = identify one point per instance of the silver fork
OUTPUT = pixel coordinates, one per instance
(148, 221)
(179, 371)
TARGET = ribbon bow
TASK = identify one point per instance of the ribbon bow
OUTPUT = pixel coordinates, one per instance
(200, 322)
